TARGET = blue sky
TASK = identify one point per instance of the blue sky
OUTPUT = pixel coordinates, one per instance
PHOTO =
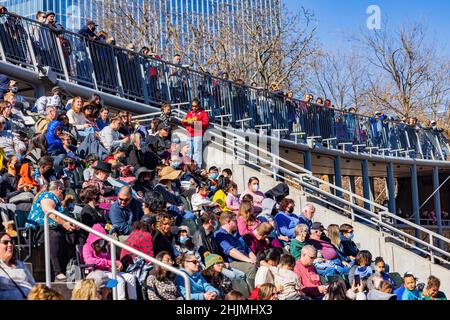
(340, 18)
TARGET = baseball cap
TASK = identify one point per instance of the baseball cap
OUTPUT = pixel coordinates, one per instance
(49, 13)
(89, 22)
(102, 280)
(377, 112)
(317, 226)
(408, 273)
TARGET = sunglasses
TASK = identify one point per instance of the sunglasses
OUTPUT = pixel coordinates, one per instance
(2, 122)
(6, 242)
(194, 262)
(88, 108)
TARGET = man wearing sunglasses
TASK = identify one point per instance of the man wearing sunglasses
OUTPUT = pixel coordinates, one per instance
(124, 212)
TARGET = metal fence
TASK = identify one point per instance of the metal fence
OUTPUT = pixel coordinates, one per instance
(113, 70)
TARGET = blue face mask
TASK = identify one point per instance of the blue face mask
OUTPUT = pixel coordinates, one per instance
(214, 176)
(71, 207)
(212, 188)
(350, 236)
(175, 164)
(183, 239)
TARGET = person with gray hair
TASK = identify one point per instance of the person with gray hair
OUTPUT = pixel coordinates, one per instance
(9, 142)
(379, 289)
(301, 236)
(124, 212)
(307, 214)
(47, 201)
(51, 112)
(307, 274)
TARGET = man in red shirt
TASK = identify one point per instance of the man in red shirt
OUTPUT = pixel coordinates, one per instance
(307, 274)
(196, 122)
(257, 240)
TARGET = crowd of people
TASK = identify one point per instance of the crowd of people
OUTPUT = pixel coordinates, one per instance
(148, 189)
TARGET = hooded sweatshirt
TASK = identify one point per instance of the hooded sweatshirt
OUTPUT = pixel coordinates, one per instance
(55, 145)
(379, 295)
(102, 261)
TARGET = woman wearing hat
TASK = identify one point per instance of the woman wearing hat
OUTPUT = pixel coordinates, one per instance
(101, 174)
(213, 274)
(168, 176)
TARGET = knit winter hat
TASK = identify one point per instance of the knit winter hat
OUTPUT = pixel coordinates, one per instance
(211, 259)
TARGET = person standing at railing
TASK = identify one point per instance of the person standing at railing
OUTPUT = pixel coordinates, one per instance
(196, 122)
(376, 124)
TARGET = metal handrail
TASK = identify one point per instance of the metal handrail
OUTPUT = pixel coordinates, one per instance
(114, 243)
(235, 149)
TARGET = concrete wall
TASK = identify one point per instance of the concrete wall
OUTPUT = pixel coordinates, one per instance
(399, 259)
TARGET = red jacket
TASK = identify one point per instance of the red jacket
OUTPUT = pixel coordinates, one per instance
(200, 124)
(309, 279)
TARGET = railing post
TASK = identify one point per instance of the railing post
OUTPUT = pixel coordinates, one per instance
(351, 184)
(415, 198)
(91, 66)
(48, 267)
(113, 269)
(431, 248)
(391, 189)
(437, 202)
(366, 183)
(61, 58)
(2, 51)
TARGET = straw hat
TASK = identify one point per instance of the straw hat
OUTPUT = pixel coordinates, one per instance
(169, 173)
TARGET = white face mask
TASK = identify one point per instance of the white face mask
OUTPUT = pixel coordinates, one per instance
(255, 187)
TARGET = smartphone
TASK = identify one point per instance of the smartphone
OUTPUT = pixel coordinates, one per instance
(357, 280)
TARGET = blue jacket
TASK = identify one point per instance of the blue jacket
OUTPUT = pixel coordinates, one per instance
(86, 32)
(122, 218)
(304, 220)
(286, 223)
(411, 295)
(399, 292)
(228, 242)
(55, 145)
(199, 286)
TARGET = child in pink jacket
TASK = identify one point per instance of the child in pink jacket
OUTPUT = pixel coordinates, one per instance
(232, 201)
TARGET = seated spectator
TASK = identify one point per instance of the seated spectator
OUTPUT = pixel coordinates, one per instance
(13, 113)
(163, 237)
(307, 274)
(140, 239)
(95, 253)
(286, 220)
(160, 281)
(336, 291)
(203, 238)
(358, 291)
(257, 239)
(380, 268)
(234, 295)
(361, 267)
(110, 136)
(253, 190)
(42, 292)
(124, 212)
(15, 279)
(246, 220)
(10, 179)
(42, 123)
(431, 291)
(160, 142)
(10, 144)
(227, 173)
(166, 114)
(153, 203)
(213, 274)
(54, 100)
(300, 240)
(381, 290)
(88, 111)
(167, 178)
(347, 246)
(96, 286)
(232, 201)
(45, 173)
(26, 183)
(183, 243)
(69, 148)
(410, 292)
(218, 194)
(89, 214)
(307, 215)
(90, 162)
(200, 288)
(103, 119)
(287, 280)
(76, 117)
(266, 260)
(236, 252)
(267, 291)
(102, 172)
(44, 202)
(334, 238)
(200, 199)
(55, 145)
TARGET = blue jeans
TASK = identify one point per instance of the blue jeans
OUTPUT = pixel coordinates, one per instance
(196, 150)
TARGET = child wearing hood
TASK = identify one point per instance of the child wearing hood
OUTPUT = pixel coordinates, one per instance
(95, 253)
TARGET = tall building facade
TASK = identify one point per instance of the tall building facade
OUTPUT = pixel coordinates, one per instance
(168, 16)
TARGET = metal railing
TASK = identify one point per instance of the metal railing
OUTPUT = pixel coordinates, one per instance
(113, 243)
(380, 219)
(117, 71)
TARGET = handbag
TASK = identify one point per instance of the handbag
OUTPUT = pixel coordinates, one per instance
(15, 283)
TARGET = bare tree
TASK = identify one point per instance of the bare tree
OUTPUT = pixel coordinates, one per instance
(402, 64)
